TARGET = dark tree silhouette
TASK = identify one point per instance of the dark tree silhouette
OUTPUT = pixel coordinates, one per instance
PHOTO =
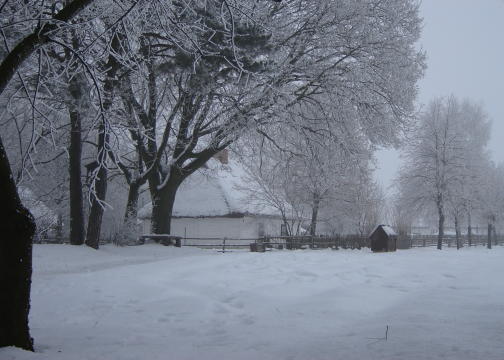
(17, 228)
(17, 225)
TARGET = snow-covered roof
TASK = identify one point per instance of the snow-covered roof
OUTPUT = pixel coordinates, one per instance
(387, 228)
(215, 191)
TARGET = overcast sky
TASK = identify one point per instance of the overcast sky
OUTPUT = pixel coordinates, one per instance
(464, 42)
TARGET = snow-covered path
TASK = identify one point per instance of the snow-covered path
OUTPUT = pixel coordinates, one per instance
(154, 302)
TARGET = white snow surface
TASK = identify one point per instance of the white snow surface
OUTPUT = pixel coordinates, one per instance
(217, 190)
(154, 302)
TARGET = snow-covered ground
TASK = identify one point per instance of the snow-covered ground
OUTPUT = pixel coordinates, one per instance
(154, 302)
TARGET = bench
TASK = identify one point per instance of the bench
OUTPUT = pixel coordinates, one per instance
(165, 239)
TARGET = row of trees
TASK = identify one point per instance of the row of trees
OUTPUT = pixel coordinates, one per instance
(447, 169)
(150, 90)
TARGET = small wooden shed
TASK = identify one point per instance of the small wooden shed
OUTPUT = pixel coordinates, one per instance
(383, 239)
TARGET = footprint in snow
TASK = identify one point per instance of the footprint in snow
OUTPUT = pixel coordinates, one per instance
(231, 301)
(219, 309)
(306, 273)
(163, 319)
(450, 276)
(248, 320)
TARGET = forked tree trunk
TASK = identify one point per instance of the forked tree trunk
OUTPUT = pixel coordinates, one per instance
(17, 228)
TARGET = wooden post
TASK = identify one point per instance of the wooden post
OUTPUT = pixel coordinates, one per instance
(224, 245)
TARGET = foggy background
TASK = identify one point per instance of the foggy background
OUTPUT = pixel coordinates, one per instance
(463, 40)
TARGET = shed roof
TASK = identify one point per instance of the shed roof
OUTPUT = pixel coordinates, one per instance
(386, 228)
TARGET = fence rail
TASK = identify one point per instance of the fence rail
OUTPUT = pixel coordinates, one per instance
(318, 242)
(411, 241)
(281, 242)
(315, 242)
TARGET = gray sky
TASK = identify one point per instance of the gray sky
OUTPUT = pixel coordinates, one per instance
(464, 41)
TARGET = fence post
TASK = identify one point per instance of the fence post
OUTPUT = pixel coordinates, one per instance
(224, 245)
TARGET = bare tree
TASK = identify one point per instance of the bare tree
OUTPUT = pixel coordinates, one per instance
(442, 156)
(491, 197)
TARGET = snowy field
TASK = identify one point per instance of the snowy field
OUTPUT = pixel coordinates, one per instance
(154, 302)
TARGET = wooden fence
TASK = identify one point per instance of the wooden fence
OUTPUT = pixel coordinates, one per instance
(316, 242)
(334, 242)
(412, 241)
(280, 242)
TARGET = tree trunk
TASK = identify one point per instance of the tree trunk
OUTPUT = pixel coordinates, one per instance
(315, 209)
(100, 191)
(162, 208)
(96, 213)
(440, 225)
(469, 229)
(288, 230)
(59, 228)
(98, 198)
(457, 232)
(17, 228)
(489, 240)
(76, 198)
(132, 203)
